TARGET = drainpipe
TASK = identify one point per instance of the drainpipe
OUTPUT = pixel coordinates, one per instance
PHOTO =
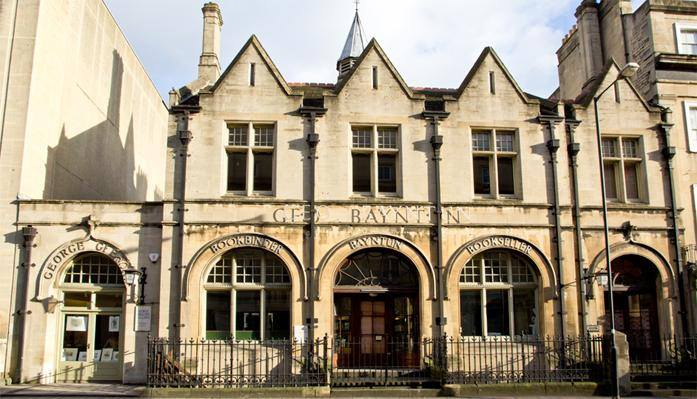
(553, 146)
(312, 139)
(436, 144)
(29, 233)
(574, 148)
(183, 115)
(669, 152)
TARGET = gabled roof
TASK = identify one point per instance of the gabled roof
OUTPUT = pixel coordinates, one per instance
(254, 42)
(591, 89)
(355, 42)
(373, 45)
(488, 51)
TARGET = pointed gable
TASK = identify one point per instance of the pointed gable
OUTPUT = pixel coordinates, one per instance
(608, 74)
(488, 54)
(373, 46)
(253, 44)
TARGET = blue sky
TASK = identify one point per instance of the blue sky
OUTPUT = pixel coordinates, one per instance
(432, 43)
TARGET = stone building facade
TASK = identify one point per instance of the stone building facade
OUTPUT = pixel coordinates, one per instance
(364, 209)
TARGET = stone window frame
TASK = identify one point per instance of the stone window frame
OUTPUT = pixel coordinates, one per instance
(690, 128)
(376, 148)
(619, 162)
(493, 154)
(250, 148)
(233, 287)
(465, 283)
(679, 28)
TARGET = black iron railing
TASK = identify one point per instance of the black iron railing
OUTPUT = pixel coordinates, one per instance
(492, 360)
(666, 357)
(236, 364)
(374, 360)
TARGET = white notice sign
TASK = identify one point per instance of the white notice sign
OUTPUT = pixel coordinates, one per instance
(143, 318)
(300, 333)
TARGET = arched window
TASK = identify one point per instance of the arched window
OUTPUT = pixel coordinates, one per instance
(248, 297)
(498, 295)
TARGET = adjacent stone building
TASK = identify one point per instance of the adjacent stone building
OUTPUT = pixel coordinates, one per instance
(357, 210)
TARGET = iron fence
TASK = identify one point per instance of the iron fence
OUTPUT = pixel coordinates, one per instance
(236, 364)
(675, 356)
(492, 360)
(374, 360)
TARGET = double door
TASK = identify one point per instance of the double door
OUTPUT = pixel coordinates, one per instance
(90, 347)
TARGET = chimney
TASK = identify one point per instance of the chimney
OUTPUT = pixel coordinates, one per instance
(209, 64)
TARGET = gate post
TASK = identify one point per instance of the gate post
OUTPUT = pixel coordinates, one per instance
(623, 363)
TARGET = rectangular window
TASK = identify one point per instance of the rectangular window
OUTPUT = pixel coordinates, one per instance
(250, 146)
(481, 175)
(218, 315)
(361, 172)
(492, 82)
(252, 74)
(691, 125)
(470, 313)
(375, 151)
(247, 320)
(688, 39)
(494, 166)
(524, 318)
(387, 173)
(623, 169)
(497, 312)
(237, 171)
(375, 77)
(277, 323)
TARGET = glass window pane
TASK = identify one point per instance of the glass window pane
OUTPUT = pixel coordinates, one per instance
(263, 171)
(362, 137)
(630, 148)
(275, 271)
(106, 338)
(217, 315)
(247, 315)
(109, 300)
(263, 135)
(277, 315)
(470, 313)
(361, 173)
(524, 318)
(387, 173)
(74, 337)
(237, 135)
(481, 141)
(505, 170)
(497, 312)
(610, 147)
(610, 181)
(631, 182)
(481, 175)
(504, 141)
(248, 268)
(221, 272)
(387, 137)
(237, 171)
(77, 299)
(495, 267)
(471, 273)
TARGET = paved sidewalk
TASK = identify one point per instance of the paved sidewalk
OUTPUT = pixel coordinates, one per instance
(72, 390)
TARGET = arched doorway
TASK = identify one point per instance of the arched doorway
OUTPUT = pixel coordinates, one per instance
(636, 307)
(376, 310)
(247, 297)
(91, 320)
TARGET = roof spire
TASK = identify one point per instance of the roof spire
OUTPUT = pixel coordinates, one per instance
(354, 46)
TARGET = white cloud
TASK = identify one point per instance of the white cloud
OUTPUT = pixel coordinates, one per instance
(432, 43)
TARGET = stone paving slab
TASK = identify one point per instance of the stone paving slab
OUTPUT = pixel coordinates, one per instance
(72, 390)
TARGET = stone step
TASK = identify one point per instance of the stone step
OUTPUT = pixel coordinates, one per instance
(666, 393)
(648, 385)
(385, 392)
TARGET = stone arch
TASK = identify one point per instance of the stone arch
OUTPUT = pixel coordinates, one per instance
(545, 270)
(329, 265)
(619, 249)
(215, 249)
(55, 264)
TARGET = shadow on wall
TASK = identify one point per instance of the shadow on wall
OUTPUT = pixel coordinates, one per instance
(94, 165)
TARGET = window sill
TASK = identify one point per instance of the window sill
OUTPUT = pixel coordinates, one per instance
(242, 194)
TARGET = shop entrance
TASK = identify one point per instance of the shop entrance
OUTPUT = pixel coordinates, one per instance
(376, 311)
(91, 321)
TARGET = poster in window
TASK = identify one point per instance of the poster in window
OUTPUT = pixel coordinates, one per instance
(69, 354)
(114, 323)
(115, 356)
(97, 355)
(107, 354)
(76, 323)
(82, 357)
